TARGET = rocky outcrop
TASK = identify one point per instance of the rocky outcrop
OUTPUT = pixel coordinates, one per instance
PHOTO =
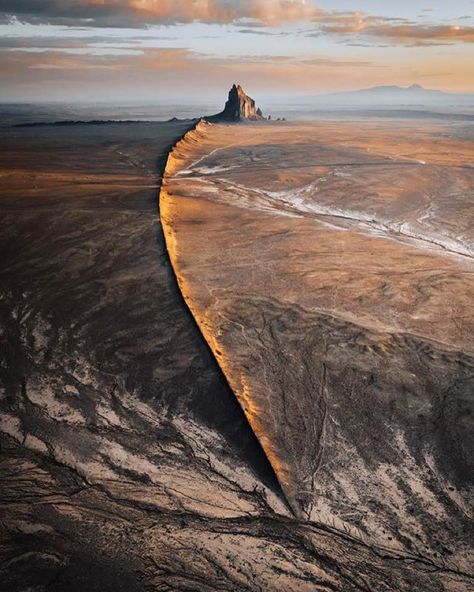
(238, 107)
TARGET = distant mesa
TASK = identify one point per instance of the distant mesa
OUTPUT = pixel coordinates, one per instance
(239, 107)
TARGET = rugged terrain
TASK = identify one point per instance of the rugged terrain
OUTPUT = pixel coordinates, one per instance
(126, 461)
(239, 107)
(336, 293)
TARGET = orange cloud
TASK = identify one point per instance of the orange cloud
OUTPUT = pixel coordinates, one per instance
(418, 33)
(138, 12)
(394, 30)
(265, 11)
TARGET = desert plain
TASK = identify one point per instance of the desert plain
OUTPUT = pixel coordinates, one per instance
(273, 394)
(330, 269)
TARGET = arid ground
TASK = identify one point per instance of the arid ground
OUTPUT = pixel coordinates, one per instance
(329, 268)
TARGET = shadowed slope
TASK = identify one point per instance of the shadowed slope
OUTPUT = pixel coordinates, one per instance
(238, 107)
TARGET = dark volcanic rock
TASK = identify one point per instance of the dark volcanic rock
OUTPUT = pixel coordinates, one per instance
(238, 107)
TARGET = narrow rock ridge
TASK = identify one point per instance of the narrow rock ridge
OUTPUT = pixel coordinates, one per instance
(194, 136)
(239, 107)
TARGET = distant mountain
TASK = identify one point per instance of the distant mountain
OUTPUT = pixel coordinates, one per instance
(414, 89)
(395, 95)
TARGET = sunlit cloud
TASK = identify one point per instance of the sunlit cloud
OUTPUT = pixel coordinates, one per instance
(254, 14)
(141, 12)
(395, 30)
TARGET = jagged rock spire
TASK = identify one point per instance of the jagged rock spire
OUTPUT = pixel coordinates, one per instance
(238, 107)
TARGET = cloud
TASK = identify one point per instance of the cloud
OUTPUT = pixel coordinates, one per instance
(250, 15)
(80, 44)
(421, 34)
(327, 62)
(396, 30)
(65, 65)
(135, 13)
(149, 59)
(264, 32)
(35, 43)
(62, 74)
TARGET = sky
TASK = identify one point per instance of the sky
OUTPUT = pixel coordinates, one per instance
(124, 50)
